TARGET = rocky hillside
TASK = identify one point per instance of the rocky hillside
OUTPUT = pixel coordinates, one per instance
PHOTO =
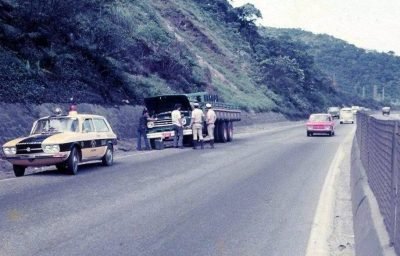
(113, 52)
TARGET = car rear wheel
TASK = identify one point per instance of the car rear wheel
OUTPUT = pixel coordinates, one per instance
(19, 170)
(108, 158)
(73, 161)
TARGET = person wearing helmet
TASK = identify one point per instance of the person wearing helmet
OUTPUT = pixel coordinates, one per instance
(211, 117)
(197, 125)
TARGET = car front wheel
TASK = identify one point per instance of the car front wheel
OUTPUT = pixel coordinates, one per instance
(73, 161)
(19, 170)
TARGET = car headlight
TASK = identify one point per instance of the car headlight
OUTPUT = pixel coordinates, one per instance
(10, 150)
(150, 125)
(184, 121)
(51, 149)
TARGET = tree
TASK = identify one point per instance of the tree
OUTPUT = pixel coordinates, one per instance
(248, 13)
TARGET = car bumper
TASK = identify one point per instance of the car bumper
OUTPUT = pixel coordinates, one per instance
(38, 159)
(346, 121)
(322, 130)
(167, 134)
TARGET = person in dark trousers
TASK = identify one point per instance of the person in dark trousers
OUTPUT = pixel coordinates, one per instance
(142, 130)
(176, 117)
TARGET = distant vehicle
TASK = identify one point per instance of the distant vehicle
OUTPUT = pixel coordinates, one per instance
(63, 141)
(346, 116)
(386, 111)
(334, 111)
(355, 109)
(320, 123)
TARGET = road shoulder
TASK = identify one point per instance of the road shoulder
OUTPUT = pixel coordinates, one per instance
(332, 228)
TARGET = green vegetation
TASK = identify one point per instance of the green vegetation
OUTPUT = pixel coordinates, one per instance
(106, 52)
(354, 71)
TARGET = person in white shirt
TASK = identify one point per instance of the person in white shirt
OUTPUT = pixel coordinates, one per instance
(211, 117)
(197, 125)
(178, 127)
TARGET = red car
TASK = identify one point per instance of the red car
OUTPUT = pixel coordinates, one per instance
(320, 123)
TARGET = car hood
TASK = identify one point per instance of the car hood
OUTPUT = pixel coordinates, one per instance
(165, 103)
(51, 138)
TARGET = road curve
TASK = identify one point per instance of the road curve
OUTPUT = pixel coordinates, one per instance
(254, 196)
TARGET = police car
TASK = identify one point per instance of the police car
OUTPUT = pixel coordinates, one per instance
(64, 141)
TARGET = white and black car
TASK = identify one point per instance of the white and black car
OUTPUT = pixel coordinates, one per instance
(64, 141)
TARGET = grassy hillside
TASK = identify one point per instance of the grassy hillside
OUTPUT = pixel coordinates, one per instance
(355, 71)
(106, 52)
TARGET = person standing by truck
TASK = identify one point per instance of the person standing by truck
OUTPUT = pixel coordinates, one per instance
(211, 117)
(176, 117)
(197, 125)
(142, 130)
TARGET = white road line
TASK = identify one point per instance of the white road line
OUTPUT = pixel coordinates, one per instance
(322, 226)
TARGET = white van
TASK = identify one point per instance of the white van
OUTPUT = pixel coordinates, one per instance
(346, 116)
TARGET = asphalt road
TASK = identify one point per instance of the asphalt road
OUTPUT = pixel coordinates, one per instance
(254, 196)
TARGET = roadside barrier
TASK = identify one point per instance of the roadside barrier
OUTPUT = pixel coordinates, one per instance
(379, 144)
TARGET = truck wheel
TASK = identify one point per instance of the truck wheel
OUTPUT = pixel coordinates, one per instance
(188, 140)
(230, 131)
(222, 132)
(73, 161)
(216, 132)
(153, 143)
(19, 170)
(108, 158)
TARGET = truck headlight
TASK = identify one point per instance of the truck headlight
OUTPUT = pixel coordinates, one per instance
(51, 149)
(10, 150)
(150, 125)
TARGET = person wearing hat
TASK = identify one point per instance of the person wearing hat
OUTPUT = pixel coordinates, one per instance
(197, 125)
(142, 130)
(211, 117)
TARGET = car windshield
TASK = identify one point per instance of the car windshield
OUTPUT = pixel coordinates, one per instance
(56, 124)
(319, 118)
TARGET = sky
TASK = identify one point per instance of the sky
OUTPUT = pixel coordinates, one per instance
(368, 24)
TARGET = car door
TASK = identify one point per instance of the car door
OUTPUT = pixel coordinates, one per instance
(89, 149)
(102, 130)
